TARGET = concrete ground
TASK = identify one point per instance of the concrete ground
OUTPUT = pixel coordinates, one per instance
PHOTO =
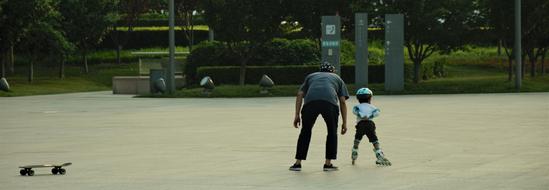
(472, 141)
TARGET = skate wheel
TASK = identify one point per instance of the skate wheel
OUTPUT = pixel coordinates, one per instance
(54, 171)
(23, 172)
(62, 171)
(383, 163)
(30, 172)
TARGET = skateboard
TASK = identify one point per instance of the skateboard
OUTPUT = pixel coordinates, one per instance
(56, 168)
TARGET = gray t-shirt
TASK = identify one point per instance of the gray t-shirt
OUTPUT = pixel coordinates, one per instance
(324, 86)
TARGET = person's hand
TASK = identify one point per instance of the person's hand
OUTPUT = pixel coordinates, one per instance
(343, 128)
(297, 121)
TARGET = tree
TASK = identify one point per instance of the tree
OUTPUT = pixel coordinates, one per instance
(128, 12)
(33, 27)
(535, 24)
(535, 30)
(430, 25)
(308, 15)
(185, 10)
(86, 23)
(244, 25)
(44, 41)
(501, 20)
(16, 18)
(2, 59)
(542, 52)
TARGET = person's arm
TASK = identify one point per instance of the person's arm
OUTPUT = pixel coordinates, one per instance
(298, 102)
(343, 109)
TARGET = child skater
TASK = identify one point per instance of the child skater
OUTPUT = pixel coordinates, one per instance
(365, 112)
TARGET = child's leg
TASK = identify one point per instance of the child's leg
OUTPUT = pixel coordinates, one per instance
(360, 131)
(358, 138)
(372, 137)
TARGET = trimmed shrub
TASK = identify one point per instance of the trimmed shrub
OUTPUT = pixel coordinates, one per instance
(376, 56)
(348, 49)
(347, 52)
(295, 74)
(276, 52)
(303, 51)
(151, 38)
(433, 69)
(207, 53)
(291, 74)
(280, 51)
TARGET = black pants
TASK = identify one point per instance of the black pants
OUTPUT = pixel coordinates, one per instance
(309, 113)
(367, 128)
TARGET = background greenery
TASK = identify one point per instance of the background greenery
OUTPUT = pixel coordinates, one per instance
(49, 46)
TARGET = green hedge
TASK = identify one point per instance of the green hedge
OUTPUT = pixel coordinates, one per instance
(295, 74)
(151, 38)
(280, 51)
(276, 52)
(159, 22)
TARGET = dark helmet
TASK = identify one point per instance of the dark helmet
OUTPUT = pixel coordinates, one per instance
(326, 67)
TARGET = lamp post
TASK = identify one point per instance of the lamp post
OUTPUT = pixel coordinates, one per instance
(171, 67)
(518, 44)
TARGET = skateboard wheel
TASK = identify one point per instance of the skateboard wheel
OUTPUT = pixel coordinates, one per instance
(62, 171)
(54, 171)
(23, 172)
(30, 172)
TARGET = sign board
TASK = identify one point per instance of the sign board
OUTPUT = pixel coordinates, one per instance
(361, 52)
(394, 52)
(331, 40)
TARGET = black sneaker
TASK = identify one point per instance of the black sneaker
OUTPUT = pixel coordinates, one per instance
(330, 167)
(295, 167)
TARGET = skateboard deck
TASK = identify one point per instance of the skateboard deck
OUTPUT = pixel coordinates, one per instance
(56, 168)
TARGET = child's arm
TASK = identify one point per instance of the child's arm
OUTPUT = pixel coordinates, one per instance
(359, 114)
(375, 113)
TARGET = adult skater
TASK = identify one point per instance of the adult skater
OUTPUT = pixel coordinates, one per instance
(322, 91)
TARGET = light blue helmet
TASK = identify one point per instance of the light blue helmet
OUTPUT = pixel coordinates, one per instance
(364, 91)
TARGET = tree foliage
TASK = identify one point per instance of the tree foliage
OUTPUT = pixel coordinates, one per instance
(430, 25)
(244, 25)
(308, 13)
(185, 10)
(32, 25)
(86, 22)
(535, 27)
(127, 14)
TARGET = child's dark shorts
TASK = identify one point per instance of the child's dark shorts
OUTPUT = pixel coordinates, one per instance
(368, 128)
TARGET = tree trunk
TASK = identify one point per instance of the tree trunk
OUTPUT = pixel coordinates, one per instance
(118, 49)
(510, 70)
(499, 47)
(533, 66)
(85, 59)
(3, 60)
(242, 78)
(532, 59)
(117, 42)
(543, 61)
(417, 69)
(62, 69)
(191, 41)
(522, 65)
(500, 60)
(31, 71)
(11, 60)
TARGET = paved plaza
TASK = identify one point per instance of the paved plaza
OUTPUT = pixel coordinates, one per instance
(468, 141)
